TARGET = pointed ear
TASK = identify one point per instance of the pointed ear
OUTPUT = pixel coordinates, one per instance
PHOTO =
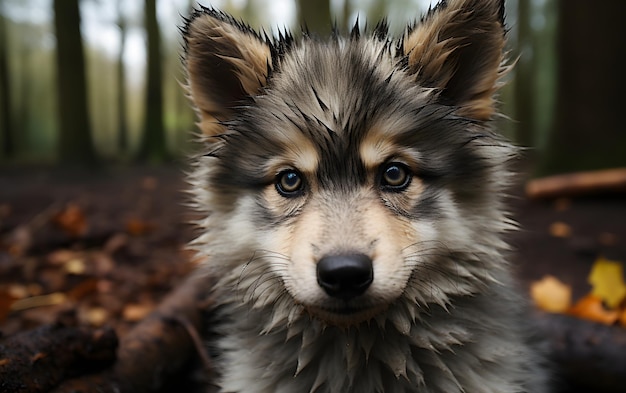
(226, 62)
(458, 49)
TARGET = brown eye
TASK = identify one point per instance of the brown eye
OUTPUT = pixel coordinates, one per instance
(395, 177)
(289, 183)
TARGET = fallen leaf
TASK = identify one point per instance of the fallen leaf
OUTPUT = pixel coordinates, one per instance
(39, 301)
(83, 289)
(95, 316)
(6, 304)
(560, 229)
(551, 295)
(75, 266)
(136, 312)
(137, 227)
(62, 256)
(115, 243)
(18, 291)
(591, 308)
(607, 281)
(38, 356)
(71, 220)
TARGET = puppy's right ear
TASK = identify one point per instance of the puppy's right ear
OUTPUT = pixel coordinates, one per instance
(226, 62)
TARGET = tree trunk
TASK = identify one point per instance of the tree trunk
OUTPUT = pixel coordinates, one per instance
(75, 144)
(121, 85)
(589, 130)
(315, 15)
(23, 118)
(6, 114)
(153, 146)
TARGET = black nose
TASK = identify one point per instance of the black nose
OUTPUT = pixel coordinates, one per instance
(345, 276)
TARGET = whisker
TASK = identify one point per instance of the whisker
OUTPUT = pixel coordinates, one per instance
(435, 267)
(261, 273)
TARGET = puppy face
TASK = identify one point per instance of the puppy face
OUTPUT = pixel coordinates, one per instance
(345, 175)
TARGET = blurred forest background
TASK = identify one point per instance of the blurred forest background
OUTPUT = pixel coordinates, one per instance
(98, 81)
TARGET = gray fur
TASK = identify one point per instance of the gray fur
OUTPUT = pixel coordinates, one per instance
(458, 323)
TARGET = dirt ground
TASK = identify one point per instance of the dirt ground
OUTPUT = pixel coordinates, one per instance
(111, 244)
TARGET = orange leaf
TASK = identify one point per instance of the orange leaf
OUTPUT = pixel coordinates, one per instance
(136, 312)
(38, 356)
(560, 229)
(551, 295)
(590, 307)
(83, 289)
(137, 227)
(71, 220)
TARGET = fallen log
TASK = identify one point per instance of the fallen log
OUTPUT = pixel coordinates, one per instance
(578, 184)
(588, 356)
(155, 350)
(37, 360)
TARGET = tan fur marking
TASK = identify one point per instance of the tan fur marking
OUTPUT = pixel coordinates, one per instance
(300, 153)
(425, 50)
(376, 148)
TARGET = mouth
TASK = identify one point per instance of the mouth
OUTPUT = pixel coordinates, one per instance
(345, 314)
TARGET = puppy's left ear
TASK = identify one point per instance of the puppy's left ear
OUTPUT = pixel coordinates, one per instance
(458, 49)
(226, 62)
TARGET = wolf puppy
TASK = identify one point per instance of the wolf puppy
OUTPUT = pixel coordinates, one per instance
(352, 189)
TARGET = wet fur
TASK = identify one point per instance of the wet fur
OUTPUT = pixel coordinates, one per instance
(442, 314)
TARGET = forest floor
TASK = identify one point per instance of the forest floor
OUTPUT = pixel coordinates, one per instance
(110, 245)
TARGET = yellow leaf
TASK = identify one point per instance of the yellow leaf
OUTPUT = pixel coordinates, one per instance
(607, 281)
(590, 307)
(551, 295)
